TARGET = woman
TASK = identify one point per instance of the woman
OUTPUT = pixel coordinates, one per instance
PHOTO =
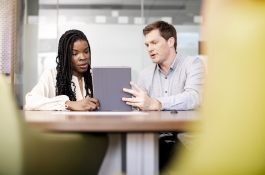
(69, 86)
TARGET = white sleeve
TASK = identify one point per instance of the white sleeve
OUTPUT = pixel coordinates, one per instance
(40, 97)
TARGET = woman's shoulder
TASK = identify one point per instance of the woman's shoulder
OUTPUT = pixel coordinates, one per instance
(49, 74)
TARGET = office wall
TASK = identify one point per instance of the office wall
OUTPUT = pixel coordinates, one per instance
(111, 45)
(30, 58)
(114, 41)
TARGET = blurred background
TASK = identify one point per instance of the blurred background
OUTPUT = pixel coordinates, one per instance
(29, 43)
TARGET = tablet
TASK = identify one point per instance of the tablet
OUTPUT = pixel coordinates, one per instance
(108, 83)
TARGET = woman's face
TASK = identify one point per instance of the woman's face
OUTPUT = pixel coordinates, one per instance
(80, 57)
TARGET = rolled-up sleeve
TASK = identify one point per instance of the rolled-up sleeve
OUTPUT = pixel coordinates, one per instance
(38, 102)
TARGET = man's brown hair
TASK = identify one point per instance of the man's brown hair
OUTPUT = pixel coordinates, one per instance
(166, 30)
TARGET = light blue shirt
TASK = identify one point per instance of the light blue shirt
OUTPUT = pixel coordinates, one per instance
(180, 88)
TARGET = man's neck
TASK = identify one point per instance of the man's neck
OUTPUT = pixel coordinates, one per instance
(164, 66)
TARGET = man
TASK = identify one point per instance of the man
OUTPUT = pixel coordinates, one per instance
(173, 82)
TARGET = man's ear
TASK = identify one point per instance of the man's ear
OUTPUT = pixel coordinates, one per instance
(171, 42)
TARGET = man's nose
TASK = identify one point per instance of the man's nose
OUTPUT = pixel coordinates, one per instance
(150, 48)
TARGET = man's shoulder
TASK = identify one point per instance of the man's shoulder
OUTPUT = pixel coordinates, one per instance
(190, 59)
(193, 64)
(149, 69)
(146, 74)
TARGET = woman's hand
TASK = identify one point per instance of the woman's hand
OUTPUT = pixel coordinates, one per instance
(87, 104)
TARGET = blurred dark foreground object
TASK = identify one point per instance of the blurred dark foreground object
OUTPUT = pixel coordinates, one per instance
(24, 150)
(232, 141)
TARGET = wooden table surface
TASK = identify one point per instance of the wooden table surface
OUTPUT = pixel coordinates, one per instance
(153, 121)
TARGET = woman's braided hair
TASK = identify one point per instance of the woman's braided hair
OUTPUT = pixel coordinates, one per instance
(64, 66)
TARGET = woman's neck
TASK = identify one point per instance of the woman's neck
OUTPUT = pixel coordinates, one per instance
(78, 76)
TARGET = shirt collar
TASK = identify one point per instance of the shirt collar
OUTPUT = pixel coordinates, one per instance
(173, 65)
(175, 62)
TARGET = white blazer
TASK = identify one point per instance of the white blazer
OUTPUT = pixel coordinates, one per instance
(42, 96)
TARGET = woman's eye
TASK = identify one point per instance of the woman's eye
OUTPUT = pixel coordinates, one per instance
(74, 54)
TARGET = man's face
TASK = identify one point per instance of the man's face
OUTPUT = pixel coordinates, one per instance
(157, 47)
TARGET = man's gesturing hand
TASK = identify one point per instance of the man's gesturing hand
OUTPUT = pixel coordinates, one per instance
(141, 99)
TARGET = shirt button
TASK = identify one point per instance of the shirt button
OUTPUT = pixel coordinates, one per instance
(165, 91)
(165, 77)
